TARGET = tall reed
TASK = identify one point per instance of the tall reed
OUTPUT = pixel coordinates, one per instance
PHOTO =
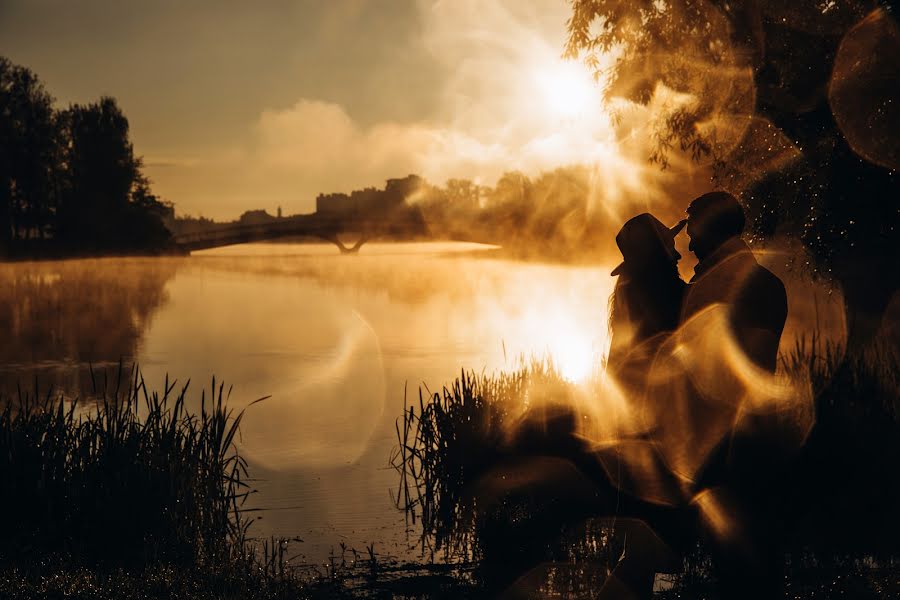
(450, 438)
(845, 491)
(132, 480)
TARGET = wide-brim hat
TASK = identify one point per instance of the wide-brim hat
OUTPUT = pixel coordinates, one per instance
(642, 236)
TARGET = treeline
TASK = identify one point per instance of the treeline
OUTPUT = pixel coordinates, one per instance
(560, 214)
(70, 182)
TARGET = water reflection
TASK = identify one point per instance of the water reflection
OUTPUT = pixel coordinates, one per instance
(333, 340)
(289, 338)
(58, 318)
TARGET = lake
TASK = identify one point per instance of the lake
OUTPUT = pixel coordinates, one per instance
(336, 342)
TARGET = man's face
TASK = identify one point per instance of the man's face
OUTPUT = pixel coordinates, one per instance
(695, 230)
(692, 233)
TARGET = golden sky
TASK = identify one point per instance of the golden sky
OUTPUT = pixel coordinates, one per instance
(239, 105)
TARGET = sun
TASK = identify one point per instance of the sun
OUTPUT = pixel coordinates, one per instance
(567, 89)
(573, 355)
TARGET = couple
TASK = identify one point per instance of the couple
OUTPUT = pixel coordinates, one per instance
(668, 475)
(650, 300)
(687, 357)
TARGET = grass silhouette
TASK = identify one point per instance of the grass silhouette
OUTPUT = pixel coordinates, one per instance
(844, 531)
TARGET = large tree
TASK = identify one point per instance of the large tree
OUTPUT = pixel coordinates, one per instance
(106, 202)
(71, 174)
(795, 105)
(28, 155)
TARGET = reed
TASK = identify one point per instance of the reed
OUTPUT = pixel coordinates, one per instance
(133, 480)
(450, 438)
(845, 498)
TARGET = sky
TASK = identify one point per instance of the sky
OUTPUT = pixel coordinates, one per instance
(239, 105)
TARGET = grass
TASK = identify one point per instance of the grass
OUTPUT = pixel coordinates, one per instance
(844, 534)
(133, 480)
(133, 495)
(129, 495)
(848, 468)
(451, 438)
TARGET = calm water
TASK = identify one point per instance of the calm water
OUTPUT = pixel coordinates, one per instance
(334, 340)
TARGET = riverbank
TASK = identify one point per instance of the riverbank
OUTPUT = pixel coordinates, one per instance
(44, 250)
(136, 497)
(493, 469)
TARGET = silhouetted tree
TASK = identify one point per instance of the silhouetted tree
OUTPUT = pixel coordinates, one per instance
(796, 105)
(511, 201)
(28, 155)
(463, 194)
(106, 202)
(72, 174)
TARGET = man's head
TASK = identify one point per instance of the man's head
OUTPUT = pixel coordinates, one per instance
(713, 219)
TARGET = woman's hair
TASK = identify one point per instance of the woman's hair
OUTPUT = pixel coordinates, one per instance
(648, 301)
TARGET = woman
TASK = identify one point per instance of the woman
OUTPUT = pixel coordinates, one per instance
(644, 310)
(564, 478)
(646, 303)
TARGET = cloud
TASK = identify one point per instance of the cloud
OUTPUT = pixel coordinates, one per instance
(496, 114)
(509, 103)
(319, 137)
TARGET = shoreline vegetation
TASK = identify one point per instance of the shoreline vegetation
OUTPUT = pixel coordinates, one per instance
(841, 537)
(131, 495)
(128, 494)
(70, 181)
(128, 483)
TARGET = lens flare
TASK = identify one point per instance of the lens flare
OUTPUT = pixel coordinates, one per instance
(573, 355)
(567, 89)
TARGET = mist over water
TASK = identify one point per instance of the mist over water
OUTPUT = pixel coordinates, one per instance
(335, 341)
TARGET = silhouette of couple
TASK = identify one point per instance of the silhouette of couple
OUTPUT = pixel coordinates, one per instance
(650, 299)
(690, 358)
(692, 361)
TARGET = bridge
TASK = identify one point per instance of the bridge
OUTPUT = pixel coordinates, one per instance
(318, 225)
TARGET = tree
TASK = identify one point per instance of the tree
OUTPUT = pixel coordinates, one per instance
(71, 175)
(463, 194)
(794, 104)
(28, 155)
(106, 201)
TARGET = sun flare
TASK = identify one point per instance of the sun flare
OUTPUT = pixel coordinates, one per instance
(573, 354)
(567, 89)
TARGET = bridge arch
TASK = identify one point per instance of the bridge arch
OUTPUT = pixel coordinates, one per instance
(354, 249)
(324, 228)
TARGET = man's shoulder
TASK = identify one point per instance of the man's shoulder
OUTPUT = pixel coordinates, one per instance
(767, 282)
(762, 302)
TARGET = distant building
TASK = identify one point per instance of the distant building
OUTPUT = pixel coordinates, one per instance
(279, 212)
(255, 217)
(334, 204)
(361, 203)
(398, 191)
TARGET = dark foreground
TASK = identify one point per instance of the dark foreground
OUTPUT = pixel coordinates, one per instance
(134, 497)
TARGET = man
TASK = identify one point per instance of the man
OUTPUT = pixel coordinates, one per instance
(735, 485)
(729, 274)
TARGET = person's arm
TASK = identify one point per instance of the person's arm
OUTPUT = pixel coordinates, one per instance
(760, 314)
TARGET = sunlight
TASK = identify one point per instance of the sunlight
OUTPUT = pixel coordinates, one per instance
(572, 352)
(574, 357)
(568, 90)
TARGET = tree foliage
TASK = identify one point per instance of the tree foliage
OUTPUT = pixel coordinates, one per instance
(70, 177)
(789, 102)
(29, 157)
